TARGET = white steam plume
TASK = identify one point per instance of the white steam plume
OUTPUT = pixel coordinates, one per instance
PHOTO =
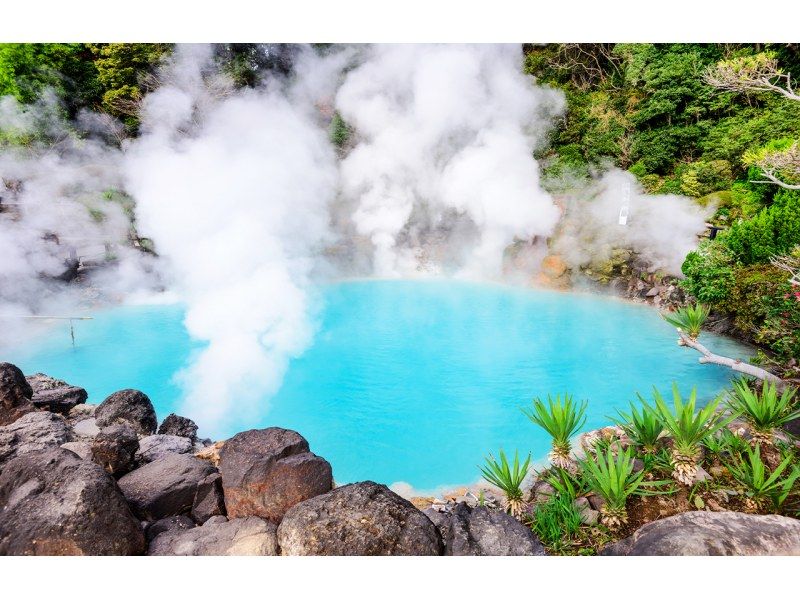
(661, 229)
(234, 187)
(60, 203)
(445, 133)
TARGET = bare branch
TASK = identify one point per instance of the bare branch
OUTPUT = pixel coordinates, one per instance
(751, 73)
(737, 365)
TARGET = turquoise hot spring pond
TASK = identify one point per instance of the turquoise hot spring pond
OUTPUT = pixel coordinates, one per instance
(408, 381)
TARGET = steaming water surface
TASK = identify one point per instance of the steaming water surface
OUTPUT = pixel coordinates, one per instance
(408, 381)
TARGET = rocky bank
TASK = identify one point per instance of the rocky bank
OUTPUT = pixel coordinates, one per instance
(78, 479)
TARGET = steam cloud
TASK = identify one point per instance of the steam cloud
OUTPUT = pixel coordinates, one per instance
(446, 133)
(233, 188)
(662, 229)
(246, 199)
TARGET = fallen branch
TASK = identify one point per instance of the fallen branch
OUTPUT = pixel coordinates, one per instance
(737, 365)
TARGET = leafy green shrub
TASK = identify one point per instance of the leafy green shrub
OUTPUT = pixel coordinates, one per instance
(773, 231)
(701, 178)
(643, 428)
(688, 429)
(688, 319)
(556, 521)
(761, 485)
(612, 477)
(709, 272)
(508, 478)
(561, 418)
(339, 131)
(764, 412)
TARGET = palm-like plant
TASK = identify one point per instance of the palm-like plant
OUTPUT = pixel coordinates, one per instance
(642, 427)
(560, 418)
(689, 319)
(759, 483)
(612, 477)
(763, 412)
(688, 428)
(508, 478)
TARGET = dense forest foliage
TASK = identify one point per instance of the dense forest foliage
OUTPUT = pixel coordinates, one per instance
(661, 112)
(651, 109)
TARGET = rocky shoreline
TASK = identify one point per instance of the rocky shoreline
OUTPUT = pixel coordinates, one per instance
(78, 479)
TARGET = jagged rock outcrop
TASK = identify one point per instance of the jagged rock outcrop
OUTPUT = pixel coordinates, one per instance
(484, 532)
(131, 406)
(114, 449)
(55, 503)
(249, 536)
(55, 395)
(704, 533)
(34, 431)
(15, 394)
(358, 519)
(164, 487)
(178, 426)
(168, 524)
(209, 500)
(266, 472)
(152, 448)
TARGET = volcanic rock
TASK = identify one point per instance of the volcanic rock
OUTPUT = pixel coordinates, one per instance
(178, 426)
(86, 428)
(131, 406)
(15, 394)
(114, 449)
(249, 536)
(484, 532)
(79, 447)
(152, 448)
(168, 524)
(704, 533)
(164, 487)
(35, 431)
(55, 503)
(55, 395)
(209, 500)
(358, 519)
(266, 472)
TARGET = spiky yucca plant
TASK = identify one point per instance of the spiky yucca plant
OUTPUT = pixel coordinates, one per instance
(760, 487)
(642, 427)
(612, 477)
(763, 412)
(560, 418)
(688, 428)
(689, 319)
(508, 478)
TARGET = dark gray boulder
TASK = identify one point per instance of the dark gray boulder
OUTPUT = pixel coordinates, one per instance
(208, 500)
(34, 431)
(55, 395)
(168, 524)
(131, 406)
(114, 449)
(358, 519)
(164, 487)
(15, 394)
(440, 520)
(152, 448)
(178, 426)
(55, 503)
(249, 536)
(484, 532)
(705, 533)
(266, 472)
(79, 447)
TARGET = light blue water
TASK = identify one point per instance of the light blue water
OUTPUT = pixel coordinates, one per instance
(411, 381)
